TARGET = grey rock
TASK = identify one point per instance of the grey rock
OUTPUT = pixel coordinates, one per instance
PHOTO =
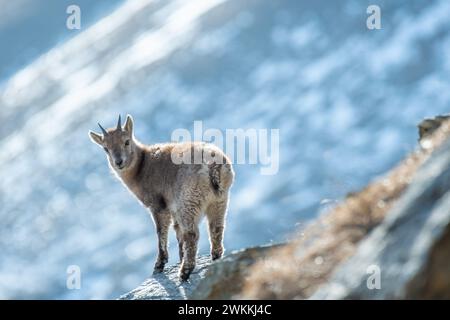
(221, 279)
(224, 279)
(428, 126)
(167, 285)
(411, 247)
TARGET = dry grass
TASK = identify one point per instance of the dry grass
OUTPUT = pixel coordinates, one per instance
(296, 270)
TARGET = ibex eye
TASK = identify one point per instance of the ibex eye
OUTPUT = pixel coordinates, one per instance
(106, 149)
(127, 143)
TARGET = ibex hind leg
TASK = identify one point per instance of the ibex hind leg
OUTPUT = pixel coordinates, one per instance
(215, 214)
(190, 235)
(179, 234)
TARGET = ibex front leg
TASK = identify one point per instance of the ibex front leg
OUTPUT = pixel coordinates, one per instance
(162, 221)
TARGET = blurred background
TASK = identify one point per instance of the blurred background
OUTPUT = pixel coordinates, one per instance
(345, 98)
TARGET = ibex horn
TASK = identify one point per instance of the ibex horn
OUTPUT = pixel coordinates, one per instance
(119, 123)
(105, 133)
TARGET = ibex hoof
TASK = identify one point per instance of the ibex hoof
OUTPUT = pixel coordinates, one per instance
(185, 273)
(216, 254)
(159, 267)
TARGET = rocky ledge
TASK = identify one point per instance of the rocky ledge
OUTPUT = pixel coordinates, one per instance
(221, 279)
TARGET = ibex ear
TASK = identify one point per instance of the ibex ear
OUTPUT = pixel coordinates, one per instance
(129, 124)
(96, 138)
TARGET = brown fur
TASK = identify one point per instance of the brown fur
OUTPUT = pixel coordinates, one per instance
(174, 192)
(296, 270)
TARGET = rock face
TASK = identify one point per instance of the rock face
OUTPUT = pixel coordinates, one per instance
(224, 279)
(221, 279)
(410, 250)
(428, 126)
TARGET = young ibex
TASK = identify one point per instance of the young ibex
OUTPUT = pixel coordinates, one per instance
(174, 191)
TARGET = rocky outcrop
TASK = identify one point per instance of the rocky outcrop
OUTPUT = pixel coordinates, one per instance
(224, 279)
(394, 230)
(410, 250)
(428, 126)
(221, 279)
(167, 285)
